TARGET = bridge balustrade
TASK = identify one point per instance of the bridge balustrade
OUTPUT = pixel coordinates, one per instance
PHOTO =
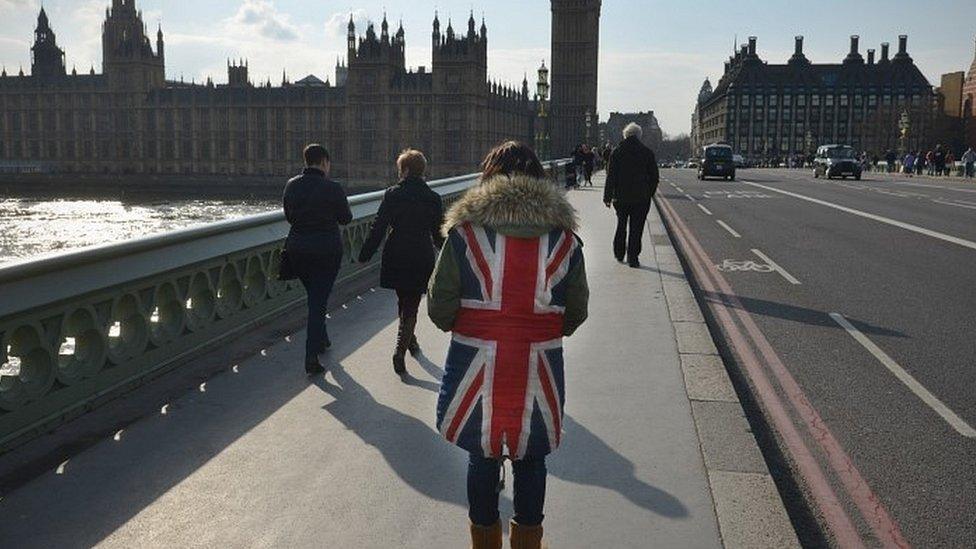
(80, 327)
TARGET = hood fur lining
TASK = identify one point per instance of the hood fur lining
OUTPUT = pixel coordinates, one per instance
(521, 201)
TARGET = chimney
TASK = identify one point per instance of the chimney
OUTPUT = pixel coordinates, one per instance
(871, 56)
(903, 45)
(884, 52)
(798, 46)
(854, 57)
(752, 46)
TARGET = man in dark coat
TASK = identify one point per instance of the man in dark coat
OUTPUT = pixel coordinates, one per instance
(315, 206)
(412, 215)
(632, 179)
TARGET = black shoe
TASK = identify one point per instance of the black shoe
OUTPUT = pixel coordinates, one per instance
(620, 260)
(634, 264)
(313, 367)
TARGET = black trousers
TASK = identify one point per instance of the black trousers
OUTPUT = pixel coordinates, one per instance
(408, 303)
(318, 274)
(631, 218)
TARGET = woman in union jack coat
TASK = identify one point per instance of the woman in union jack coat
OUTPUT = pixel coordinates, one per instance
(510, 283)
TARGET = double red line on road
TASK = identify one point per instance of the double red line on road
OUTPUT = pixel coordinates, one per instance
(838, 520)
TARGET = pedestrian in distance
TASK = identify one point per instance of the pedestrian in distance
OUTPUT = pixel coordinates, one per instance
(589, 160)
(510, 283)
(919, 163)
(950, 162)
(632, 180)
(315, 206)
(930, 162)
(409, 218)
(939, 160)
(969, 162)
(908, 164)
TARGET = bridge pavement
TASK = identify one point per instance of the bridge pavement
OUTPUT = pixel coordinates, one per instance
(260, 457)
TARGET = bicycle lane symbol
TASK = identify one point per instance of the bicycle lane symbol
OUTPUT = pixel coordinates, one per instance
(733, 266)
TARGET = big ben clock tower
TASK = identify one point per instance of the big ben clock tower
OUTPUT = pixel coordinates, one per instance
(575, 55)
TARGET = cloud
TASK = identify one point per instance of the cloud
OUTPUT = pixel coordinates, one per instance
(17, 4)
(263, 18)
(337, 23)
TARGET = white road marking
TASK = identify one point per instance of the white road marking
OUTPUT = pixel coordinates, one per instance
(947, 203)
(677, 188)
(692, 198)
(62, 467)
(704, 209)
(789, 278)
(921, 392)
(900, 224)
(933, 186)
(725, 226)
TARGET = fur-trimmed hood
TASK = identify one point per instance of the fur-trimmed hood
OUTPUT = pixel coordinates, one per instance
(519, 205)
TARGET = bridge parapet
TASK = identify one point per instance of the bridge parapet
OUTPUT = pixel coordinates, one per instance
(80, 327)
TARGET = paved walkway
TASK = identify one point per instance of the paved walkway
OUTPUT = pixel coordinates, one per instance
(263, 458)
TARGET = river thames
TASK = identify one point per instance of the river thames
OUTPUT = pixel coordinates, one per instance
(31, 227)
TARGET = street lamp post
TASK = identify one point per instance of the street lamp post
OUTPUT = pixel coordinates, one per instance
(904, 125)
(589, 124)
(542, 90)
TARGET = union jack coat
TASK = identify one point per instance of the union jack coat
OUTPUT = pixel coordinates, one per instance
(510, 283)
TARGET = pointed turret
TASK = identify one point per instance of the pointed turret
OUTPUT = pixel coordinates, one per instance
(47, 59)
(471, 24)
(385, 29)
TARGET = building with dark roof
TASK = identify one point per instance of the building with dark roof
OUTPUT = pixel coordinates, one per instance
(131, 119)
(774, 110)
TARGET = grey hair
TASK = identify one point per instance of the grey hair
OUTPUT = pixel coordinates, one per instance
(633, 130)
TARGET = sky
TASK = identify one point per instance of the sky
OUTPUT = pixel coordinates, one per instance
(654, 55)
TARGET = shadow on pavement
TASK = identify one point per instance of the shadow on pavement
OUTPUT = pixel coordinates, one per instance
(110, 483)
(412, 448)
(585, 459)
(794, 313)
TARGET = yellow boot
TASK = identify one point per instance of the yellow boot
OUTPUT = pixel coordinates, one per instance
(486, 537)
(526, 537)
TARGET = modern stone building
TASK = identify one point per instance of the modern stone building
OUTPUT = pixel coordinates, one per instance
(774, 110)
(131, 120)
(575, 60)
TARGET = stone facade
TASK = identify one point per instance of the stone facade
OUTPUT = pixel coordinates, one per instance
(969, 105)
(767, 110)
(652, 136)
(131, 120)
(575, 60)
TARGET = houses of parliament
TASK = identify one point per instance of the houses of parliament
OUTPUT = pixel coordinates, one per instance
(130, 119)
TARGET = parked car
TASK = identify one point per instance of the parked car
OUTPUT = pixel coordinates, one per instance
(738, 161)
(717, 161)
(836, 161)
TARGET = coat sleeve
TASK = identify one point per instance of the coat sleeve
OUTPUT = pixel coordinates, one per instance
(438, 220)
(653, 173)
(444, 291)
(577, 297)
(343, 211)
(610, 189)
(377, 231)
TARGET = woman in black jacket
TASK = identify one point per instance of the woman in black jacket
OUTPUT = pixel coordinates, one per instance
(412, 214)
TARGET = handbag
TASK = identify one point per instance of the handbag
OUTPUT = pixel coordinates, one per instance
(285, 269)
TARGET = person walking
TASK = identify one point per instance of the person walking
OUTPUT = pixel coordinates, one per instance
(890, 158)
(632, 179)
(411, 214)
(589, 160)
(908, 164)
(969, 162)
(315, 206)
(950, 162)
(919, 163)
(510, 283)
(930, 162)
(939, 160)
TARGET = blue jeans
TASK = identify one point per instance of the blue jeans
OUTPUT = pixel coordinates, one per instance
(529, 487)
(318, 273)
